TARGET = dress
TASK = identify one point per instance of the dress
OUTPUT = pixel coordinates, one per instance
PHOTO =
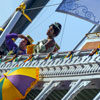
(40, 47)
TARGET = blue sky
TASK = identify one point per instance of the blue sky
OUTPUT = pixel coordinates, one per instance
(70, 35)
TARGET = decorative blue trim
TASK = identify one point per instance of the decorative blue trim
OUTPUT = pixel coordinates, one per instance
(1, 85)
(81, 11)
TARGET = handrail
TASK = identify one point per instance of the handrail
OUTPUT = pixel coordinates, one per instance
(47, 55)
(96, 33)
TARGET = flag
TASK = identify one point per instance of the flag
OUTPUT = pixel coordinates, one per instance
(84, 9)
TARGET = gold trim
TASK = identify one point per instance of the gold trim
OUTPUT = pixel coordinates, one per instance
(22, 8)
(1, 29)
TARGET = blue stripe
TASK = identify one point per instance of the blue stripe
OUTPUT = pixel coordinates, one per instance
(1, 85)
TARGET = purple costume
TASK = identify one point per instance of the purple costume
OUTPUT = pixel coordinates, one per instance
(11, 44)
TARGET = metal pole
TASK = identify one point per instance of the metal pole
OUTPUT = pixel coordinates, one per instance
(10, 26)
(84, 38)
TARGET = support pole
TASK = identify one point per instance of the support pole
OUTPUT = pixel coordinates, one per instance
(10, 26)
(75, 89)
(84, 38)
(97, 97)
(47, 90)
